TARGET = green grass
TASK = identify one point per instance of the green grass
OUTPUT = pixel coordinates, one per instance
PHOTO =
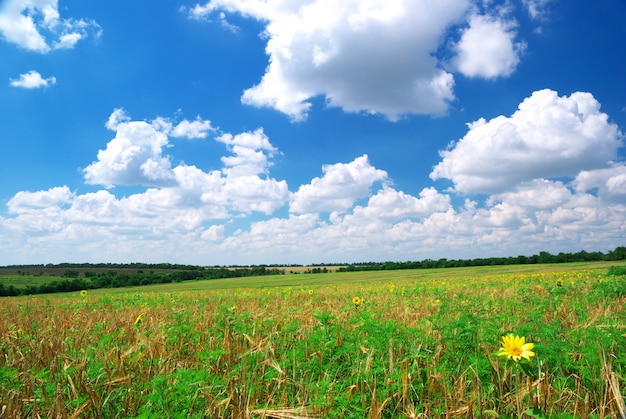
(22, 281)
(422, 344)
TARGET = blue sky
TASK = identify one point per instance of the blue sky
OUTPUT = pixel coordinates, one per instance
(277, 131)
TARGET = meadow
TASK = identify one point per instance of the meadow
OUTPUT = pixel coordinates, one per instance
(395, 344)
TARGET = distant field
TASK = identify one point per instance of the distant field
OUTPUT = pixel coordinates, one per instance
(295, 275)
(332, 278)
(36, 276)
(23, 277)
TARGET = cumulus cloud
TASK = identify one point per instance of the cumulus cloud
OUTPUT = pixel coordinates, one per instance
(548, 136)
(374, 57)
(252, 153)
(487, 48)
(547, 210)
(390, 204)
(379, 57)
(536, 194)
(610, 183)
(25, 201)
(36, 25)
(134, 156)
(192, 129)
(32, 80)
(339, 188)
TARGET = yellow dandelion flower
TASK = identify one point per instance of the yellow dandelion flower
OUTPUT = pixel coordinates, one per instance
(559, 282)
(513, 347)
(83, 293)
(310, 292)
(357, 301)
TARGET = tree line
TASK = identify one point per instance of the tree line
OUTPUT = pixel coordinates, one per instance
(543, 257)
(72, 281)
(109, 277)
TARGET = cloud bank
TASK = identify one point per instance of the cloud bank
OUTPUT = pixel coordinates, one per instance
(516, 200)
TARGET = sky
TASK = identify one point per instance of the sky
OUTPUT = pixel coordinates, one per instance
(240, 132)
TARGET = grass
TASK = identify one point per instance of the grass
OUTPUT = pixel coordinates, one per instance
(21, 281)
(422, 344)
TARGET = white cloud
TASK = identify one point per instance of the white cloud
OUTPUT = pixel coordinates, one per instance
(389, 204)
(32, 80)
(29, 201)
(256, 140)
(213, 233)
(610, 183)
(68, 41)
(291, 239)
(537, 194)
(389, 228)
(252, 151)
(251, 193)
(134, 156)
(487, 48)
(192, 129)
(537, 9)
(36, 25)
(339, 188)
(548, 136)
(375, 56)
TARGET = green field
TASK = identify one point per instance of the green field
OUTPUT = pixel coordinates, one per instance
(380, 344)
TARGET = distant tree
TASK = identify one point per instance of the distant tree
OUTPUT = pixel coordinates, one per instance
(618, 254)
(71, 273)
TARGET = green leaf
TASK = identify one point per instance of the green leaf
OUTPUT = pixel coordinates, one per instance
(534, 412)
(528, 369)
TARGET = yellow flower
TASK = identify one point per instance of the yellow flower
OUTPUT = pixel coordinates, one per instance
(357, 301)
(513, 347)
(310, 292)
(559, 282)
(83, 293)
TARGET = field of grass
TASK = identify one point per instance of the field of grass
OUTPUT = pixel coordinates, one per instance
(382, 344)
